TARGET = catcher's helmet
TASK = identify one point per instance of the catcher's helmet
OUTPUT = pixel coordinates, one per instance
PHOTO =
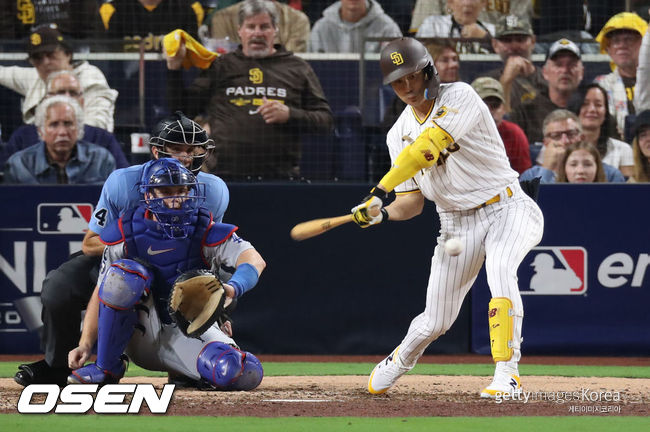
(175, 222)
(405, 56)
(179, 129)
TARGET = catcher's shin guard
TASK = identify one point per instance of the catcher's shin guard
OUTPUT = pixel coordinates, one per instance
(120, 290)
(228, 368)
(501, 319)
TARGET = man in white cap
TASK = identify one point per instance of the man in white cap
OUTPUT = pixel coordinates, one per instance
(563, 71)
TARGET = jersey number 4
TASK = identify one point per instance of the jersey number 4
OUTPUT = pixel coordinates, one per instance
(100, 215)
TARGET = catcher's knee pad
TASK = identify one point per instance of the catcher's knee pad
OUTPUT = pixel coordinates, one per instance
(125, 282)
(229, 368)
(501, 321)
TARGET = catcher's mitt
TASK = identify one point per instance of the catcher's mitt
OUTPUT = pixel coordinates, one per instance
(196, 301)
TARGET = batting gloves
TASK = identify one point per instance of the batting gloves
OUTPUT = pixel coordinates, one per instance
(370, 204)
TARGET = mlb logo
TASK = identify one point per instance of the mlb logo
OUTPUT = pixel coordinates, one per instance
(555, 270)
(64, 218)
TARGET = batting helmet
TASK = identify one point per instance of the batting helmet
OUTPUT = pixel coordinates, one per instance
(179, 129)
(405, 56)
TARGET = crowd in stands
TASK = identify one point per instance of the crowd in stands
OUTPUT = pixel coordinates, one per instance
(257, 98)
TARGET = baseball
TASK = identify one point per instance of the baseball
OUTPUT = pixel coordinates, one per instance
(453, 247)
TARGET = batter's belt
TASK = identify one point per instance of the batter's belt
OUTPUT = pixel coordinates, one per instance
(495, 199)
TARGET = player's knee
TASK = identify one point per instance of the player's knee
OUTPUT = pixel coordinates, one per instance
(433, 329)
(125, 282)
(229, 368)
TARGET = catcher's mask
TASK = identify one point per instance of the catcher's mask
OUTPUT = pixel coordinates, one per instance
(172, 193)
(178, 129)
(405, 56)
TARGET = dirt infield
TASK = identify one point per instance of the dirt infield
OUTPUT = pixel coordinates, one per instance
(414, 395)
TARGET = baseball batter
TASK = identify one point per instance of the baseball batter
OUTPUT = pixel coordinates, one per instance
(147, 249)
(445, 147)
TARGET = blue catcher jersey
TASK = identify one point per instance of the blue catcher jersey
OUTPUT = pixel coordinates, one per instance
(168, 258)
(121, 192)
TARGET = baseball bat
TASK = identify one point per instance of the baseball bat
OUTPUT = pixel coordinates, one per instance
(314, 227)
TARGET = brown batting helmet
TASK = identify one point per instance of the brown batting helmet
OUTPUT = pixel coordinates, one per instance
(405, 56)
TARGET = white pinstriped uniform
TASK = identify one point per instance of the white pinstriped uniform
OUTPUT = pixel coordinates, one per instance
(475, 170)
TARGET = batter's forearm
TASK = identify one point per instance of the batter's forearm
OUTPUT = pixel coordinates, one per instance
(421, 154)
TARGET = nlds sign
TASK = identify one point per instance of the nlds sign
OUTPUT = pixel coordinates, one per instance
(80, 398)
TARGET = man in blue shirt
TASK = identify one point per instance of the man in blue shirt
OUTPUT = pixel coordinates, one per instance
(61, 157)
(64, 83)
(67, 290)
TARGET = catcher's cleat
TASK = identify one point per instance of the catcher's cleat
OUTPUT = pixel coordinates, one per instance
(41, 373)
(385, 374)
(93, 374)
(504, 382)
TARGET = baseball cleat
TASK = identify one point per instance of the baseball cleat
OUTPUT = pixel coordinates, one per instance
(502, 384)
(385, 374)
(93, 374)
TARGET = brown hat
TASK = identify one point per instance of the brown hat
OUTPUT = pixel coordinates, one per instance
(45, 38)
(512, 25)
(488, 87)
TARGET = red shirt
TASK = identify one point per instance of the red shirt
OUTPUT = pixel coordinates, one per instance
(516, 145)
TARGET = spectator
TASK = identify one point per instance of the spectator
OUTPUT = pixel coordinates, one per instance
(346, 22)
(621, 39)
(258, 100)
(564, 71)
(521, 79)
(598, 128)
(641, 148)
(514, 139)
(561, 129)
(490, 14)
(73, 17)
(581, 163)
(61, 157)
(461, 23)
(642, 88)
(292, 32)
(49, 52)
(65, 83)
(446, 60)
(135, 21)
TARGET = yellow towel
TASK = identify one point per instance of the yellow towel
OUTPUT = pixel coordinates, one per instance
(197, 55)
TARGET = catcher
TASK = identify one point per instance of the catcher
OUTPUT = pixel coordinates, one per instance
(142, 306)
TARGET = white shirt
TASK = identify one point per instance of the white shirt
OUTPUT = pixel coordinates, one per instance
(618, 154)
(471, 170)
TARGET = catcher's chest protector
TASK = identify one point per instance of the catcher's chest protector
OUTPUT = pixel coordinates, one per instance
(169, 257)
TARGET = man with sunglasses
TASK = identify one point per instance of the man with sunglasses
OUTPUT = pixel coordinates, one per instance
(561, 128)
(49, 52)
(67, 290)
(65, 83)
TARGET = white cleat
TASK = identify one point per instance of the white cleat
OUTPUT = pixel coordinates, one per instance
(385, 374)
(502, 384)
